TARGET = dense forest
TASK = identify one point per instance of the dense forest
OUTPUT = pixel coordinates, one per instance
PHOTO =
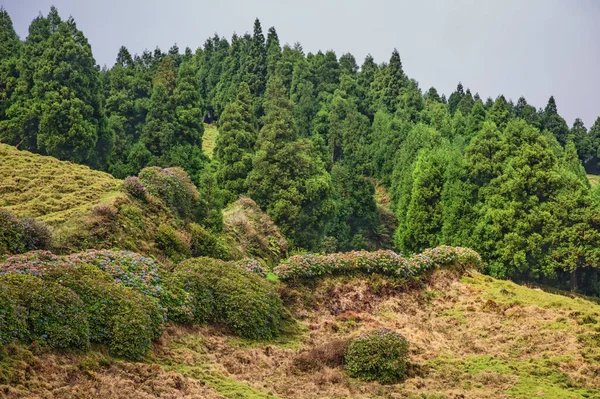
(310, 137)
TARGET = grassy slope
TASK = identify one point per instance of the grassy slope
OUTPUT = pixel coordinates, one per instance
(473, 338)
(209, 139)
(49, 189)
(594, 179)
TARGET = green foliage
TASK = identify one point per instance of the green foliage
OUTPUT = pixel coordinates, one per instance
(356, 217)
(206, 243)
(175, 188)
(235, 143)
(288, 179)
(173, 243)
(45, 312)
(22, 235)
(379, 355)
(225, 293)
(57, 108)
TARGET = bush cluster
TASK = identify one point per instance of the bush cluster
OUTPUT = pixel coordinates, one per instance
(222, 292)
(173, 243)
(134, 187)
(310, 266)
(122, 299)
(378, 355)
(44, 311)
(120, 316)
(21, 235)
(175, 188)
(206, 243)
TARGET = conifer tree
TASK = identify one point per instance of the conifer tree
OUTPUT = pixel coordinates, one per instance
(355, 220)
(235, 144)
(288, 179)
(554, 123)
(60, 111)
(455, 98)
(500, 112)
(387, 85)
(476, 119)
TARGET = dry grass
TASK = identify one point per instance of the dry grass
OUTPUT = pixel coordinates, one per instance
(474, 337)
(209, 139)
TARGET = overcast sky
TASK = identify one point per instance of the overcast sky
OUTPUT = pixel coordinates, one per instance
(534, 48)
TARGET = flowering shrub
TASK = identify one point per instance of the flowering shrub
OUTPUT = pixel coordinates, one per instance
(222, 292)
(127, 268)
(381, 262)
(126, 319)
(21, 235)
(253, 265)
(134, 187)
(378, 355)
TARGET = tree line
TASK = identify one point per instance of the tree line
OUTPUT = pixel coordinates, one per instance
(308, 136)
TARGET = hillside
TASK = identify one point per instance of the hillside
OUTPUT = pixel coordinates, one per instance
(48, 189)
(473, 337)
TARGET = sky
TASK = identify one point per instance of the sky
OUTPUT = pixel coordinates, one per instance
(531, 48)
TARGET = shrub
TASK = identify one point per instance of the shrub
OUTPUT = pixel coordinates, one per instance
(383, 262)
(173, 243)
(13, 323)
(378, 355)
(135, 188)
(53, 315)
(123, 318)
(222, 292)
(141, 273)
(175, 188)
(22, 235)
(205, 243)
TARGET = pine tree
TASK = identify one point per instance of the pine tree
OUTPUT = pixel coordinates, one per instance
(455, 98)
(356, 217)
(553, 122)
(235, 144)
(499, 113)
(10, 47)
(424, 215)
(288, 179)
(476, 119)
(387, 85)
(60, 110)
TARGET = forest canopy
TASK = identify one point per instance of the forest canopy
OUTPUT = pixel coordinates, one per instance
(312, 137)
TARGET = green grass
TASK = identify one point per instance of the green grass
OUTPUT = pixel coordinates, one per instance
(209, 139)
(48, 189)
(594, 179)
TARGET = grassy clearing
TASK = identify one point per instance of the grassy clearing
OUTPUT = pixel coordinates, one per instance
(209, 139)
(594, 179)
(48, 189)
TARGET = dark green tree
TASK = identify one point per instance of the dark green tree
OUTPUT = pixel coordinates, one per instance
(554, 123)
(235, 145)
(288, 180)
